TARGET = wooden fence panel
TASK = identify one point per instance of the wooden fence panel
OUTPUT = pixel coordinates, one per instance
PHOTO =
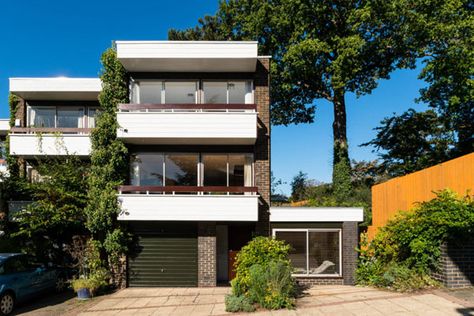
(403, 193)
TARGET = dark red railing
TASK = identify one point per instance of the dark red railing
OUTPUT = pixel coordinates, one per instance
(191, 106)
(185, 189)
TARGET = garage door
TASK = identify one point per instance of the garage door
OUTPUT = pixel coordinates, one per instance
(164, 260)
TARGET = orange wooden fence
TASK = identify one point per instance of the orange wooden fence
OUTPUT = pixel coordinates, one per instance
(402, 193)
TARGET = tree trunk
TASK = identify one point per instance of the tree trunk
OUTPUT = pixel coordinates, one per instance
(341, 172)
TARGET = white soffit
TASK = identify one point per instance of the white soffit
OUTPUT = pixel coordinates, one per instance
(59, 88)
(4, 126)
(188, 56)
(316, 214)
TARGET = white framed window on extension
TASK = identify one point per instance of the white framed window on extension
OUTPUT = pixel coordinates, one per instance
(314, 251)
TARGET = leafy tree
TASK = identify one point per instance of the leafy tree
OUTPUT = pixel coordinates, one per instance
(298, 186)
(57, 211)
(275, 183)
(411, 141)
(320, 50)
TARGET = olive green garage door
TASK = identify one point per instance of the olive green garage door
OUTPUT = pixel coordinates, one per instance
(164, 260)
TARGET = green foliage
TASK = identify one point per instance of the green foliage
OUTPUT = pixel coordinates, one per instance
(109, 161)
(57, 211)
(12, 163)
(298, 186)
(241, 303)
(260, 250)
(272, 286)
(406, 251)
(341, 179)
(402, 151)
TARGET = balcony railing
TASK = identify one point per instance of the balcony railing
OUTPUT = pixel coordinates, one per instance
(149, 107)
(50, 130)
(134, 189)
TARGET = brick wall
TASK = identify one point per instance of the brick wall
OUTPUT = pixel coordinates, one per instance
(207, 254)
(311, 281)
(350, 240)
(262, 146)
(456, 266)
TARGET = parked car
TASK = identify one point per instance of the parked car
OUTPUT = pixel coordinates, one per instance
(21, 278)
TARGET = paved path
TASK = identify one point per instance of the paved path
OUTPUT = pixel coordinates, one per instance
(320, 300)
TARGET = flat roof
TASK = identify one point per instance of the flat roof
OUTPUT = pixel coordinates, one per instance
(188, 56)
(56, 88)
(316, 214)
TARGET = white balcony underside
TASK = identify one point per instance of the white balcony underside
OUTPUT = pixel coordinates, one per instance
(187, 56)
(142, 207)
(201, 128)
(31, 145)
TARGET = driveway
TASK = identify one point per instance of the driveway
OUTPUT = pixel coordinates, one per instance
(319, 300)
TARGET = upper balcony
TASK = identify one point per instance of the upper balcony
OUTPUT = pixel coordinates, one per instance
(35, 142)
(190, 124)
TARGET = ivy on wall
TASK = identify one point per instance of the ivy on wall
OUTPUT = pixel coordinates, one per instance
(14, 104)
(109, 165)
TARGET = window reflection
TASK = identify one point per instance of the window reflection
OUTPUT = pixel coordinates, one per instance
(297, 255)
(215, 170)
(181, 169)
(147, 169)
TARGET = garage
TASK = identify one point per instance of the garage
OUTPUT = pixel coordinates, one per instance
(164, 257)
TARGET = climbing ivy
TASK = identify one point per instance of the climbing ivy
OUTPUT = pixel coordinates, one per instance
(109, 164)
(14, 104)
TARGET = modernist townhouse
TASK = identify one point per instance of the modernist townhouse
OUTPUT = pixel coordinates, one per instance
(198, 131)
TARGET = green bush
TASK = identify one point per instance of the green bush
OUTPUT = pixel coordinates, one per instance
(405, 252)
(260, 250)
(263, 276)
(272, 286)
(235, 303)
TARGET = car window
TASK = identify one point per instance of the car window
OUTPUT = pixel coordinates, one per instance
(16, 264)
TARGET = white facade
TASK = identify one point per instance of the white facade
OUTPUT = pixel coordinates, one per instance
(206, 128)
(59, 88)
(157, 207)
(188, 56)
(316, 214)
(33, 145)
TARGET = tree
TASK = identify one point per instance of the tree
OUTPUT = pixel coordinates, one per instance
(57, 211)
(411, 141)
(320, 50)
(298, 186)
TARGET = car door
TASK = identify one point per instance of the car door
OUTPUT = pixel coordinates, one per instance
(44, 277)
(18, 277)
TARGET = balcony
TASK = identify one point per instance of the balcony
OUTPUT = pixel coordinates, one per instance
(188, 124)
(188, 203)
(34, 142)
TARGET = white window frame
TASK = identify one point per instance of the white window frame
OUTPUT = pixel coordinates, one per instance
(307, 231)
(203, 96)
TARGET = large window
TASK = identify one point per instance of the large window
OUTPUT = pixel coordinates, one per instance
(196, 91)
(61, 116)
(191, 169)
(313, 251)
(227, 92)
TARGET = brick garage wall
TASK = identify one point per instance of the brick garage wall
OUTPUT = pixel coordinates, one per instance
(207, 254)
(262, 145)
(456, 266)
(350, 240)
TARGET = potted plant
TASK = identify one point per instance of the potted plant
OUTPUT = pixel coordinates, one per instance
(92, 275)
(83, 287)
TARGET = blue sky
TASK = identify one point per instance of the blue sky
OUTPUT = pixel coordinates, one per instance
(66, 38)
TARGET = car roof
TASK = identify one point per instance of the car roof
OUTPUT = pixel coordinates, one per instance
(4, 256)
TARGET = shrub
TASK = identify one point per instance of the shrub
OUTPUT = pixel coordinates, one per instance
(234, 303)
(263, 276)
(272, 286)
(405, 252)
(260, 250)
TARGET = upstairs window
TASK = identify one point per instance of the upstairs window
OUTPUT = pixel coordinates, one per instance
(160, 92)
(61, 116)
(228, 92)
